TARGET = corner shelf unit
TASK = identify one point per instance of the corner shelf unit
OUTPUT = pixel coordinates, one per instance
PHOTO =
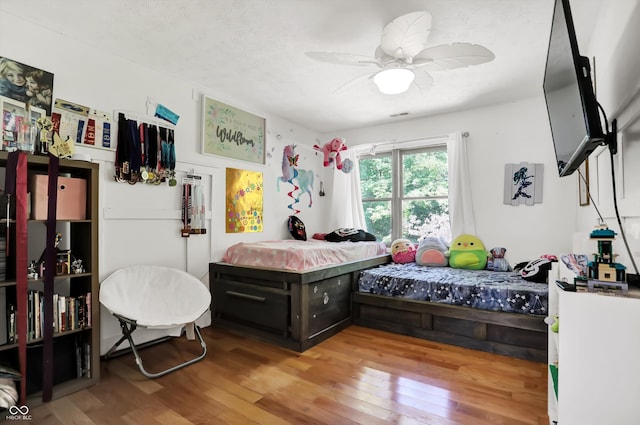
(595, 351)
(76, 352)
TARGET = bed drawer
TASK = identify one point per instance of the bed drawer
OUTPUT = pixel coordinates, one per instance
(329, 303)
(260, 306)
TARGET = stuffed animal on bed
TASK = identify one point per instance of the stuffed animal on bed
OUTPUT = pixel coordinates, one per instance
(468, 252)
(403, 251)
(431, 252)
(498, 263)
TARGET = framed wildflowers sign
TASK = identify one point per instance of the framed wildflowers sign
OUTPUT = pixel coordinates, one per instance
(231, 132)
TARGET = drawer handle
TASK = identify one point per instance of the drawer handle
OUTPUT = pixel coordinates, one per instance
(246, 296)
(325, 299)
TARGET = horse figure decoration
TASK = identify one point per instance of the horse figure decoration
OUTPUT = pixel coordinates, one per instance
(300, 179)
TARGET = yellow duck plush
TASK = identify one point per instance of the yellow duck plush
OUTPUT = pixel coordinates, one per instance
(468, 252)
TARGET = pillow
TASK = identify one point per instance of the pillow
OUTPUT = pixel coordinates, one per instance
(468, 252)
(349, 234)
(297, 228)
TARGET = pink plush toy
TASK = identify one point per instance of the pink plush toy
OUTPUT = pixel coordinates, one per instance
(331, 151)
(403, 251)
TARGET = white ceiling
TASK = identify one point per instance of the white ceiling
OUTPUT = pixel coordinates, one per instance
(254, 49)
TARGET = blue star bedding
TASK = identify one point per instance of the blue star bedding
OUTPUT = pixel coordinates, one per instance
(482, 289)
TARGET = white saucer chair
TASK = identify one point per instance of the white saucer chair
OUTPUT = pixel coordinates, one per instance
(155, 297)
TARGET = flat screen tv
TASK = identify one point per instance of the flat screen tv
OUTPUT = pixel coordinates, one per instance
(568, 90)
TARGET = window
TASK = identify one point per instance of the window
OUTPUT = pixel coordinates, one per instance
(405, 193)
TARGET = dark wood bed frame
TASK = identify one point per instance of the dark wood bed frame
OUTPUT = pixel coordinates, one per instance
(511, 334)
(297, 310)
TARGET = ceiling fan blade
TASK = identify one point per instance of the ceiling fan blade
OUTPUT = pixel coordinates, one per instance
(423, 79)
(451, 56)
(384, 59)
(342, 58)
(406, 35)
(354, 81)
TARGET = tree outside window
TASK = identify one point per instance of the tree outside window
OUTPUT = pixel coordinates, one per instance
(405, 193)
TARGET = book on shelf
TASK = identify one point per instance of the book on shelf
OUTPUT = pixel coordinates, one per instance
(36, 315)
(83, 359)
(87, 360)
(12, 324)
(62, 313)
(30, 327)
(4, 317)
(56, 324)
(69, 313)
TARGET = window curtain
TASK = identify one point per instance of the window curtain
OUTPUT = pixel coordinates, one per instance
(461, 214)
(346, 194)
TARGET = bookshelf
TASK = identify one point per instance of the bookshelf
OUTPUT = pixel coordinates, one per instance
(76, 338)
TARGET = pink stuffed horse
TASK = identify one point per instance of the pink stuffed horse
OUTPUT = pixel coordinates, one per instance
(331, 151)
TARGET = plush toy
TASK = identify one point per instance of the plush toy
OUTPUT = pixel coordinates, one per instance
(536, 270)
(468, 252)
(331, 151)
(577, 263)
(403, 251)
(296, 228)
(497, 262)
(431, 252)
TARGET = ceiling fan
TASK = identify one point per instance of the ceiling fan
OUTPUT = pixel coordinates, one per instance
(404, 58)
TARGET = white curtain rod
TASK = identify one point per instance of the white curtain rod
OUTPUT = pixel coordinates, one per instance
(409, 143)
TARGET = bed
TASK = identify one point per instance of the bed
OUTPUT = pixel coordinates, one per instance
(291, 293)
(297, 255)
(497, 312)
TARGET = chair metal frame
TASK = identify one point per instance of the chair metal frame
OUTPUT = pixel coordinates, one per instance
(128, 326)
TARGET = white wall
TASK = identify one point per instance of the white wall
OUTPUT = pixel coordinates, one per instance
(617, 78)
(139, 224)
(508, 133)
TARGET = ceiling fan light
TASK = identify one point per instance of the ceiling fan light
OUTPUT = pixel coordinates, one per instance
(394, 81)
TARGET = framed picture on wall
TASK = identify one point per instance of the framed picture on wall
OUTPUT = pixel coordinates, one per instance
(231, 132)
(26, 84)
(15, 123)
(583, 183)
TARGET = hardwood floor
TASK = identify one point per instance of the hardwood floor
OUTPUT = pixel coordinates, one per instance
(360, 376)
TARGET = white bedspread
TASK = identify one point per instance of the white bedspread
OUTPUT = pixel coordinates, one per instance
(300, 255)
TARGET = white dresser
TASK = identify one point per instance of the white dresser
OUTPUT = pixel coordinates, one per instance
(597, 352)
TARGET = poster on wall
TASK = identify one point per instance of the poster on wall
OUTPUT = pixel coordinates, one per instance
(243, 212)
(231, 132)
(26, 84)
(523, 183)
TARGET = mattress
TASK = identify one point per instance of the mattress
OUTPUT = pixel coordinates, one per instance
(481, 289)
(300, 255)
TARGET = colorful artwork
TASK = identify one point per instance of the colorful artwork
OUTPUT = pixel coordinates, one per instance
(244, 207)
(301, 180)
(232, 132)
